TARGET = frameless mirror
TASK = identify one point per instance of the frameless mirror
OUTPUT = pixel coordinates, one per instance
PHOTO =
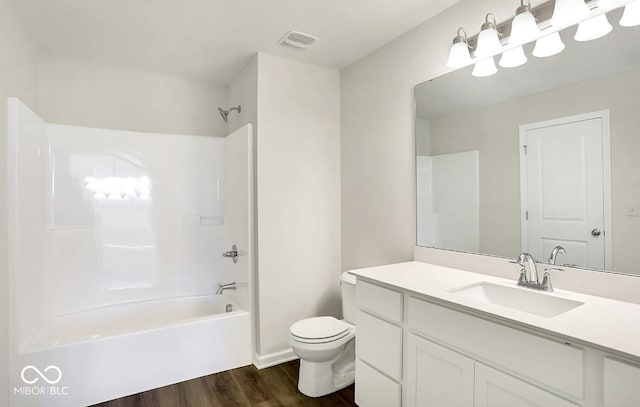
(546, 154)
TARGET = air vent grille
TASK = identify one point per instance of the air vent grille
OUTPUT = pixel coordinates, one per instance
(298, 39)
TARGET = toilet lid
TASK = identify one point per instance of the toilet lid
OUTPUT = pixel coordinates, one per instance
(318, 328)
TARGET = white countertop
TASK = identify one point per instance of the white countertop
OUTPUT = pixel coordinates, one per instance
(604, 323)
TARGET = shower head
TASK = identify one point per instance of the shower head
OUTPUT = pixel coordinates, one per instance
(225, 113)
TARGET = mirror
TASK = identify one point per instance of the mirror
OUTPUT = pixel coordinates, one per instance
(546, 154)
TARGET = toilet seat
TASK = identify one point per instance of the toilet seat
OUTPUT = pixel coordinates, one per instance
(319, 330)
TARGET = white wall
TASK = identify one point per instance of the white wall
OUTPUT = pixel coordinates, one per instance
(104, 96)
(243, 90)
(298, 193)
(18, 73)
(423, 137)
(295, 108)
(377, 144)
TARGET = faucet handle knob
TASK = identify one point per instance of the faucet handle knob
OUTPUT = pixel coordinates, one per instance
(523, 277)
(546, 281)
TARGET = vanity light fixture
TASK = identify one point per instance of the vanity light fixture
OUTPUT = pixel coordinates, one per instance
(548, 45)
(631, 15)
(488, 41)
(513, 57)
(484, 68)
(567, 12)
(459, 53)
(524, 27)
(523, 30)
(593, 28)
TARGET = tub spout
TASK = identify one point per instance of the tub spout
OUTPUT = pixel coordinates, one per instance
(224, 287)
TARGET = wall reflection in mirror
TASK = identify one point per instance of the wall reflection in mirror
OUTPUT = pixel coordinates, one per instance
(543, 155)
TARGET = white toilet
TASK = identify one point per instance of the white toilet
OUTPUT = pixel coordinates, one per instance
(327, 346)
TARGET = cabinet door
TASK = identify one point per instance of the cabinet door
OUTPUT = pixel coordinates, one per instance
(437, 376)
(496, 389)
(621, 384)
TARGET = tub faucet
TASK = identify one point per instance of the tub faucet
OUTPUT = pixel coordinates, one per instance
(224, 287)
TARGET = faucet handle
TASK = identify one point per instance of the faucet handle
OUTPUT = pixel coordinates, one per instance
(546, 278)
(522, 280)
(546, 281)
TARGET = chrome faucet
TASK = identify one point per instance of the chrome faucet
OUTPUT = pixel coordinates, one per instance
(223, 287)
(529, 274)
(554, 254)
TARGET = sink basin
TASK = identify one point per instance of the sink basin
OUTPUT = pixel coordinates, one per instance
(532, 302)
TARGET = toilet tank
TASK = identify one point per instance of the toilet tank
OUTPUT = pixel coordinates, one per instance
(348, 288)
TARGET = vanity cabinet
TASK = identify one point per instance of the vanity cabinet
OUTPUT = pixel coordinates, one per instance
(621, 384)
(437, 376)
(518, 352)
(413, 351)
(494, 388)
(379, 341)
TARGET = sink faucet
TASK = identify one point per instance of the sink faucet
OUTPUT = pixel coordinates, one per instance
(529, 274)
(554, 254)
(224, 287)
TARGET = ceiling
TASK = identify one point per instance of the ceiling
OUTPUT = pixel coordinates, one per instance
(213, 39)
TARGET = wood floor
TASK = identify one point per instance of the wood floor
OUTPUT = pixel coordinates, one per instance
(246, 386)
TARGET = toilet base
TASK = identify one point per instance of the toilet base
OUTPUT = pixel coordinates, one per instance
(318, 379)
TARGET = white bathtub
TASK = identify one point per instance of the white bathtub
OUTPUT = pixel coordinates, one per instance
(113, 351)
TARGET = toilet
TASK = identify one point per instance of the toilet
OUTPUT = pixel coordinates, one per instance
(327, 346)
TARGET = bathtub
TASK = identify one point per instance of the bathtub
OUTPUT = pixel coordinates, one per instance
(113, 351)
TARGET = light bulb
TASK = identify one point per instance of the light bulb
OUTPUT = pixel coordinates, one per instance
(523, 27)
(548, 45)
(459, 52)
(488, 41)
(593, 28)
(567, 12)
(513, 57)
(631, 15)
(484, 68)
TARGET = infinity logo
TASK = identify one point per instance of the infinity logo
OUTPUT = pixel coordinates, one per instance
(41, 374)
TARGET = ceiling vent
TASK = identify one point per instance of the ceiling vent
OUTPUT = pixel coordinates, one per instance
(298, 39)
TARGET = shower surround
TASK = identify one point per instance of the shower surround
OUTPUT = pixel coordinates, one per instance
(115, 257)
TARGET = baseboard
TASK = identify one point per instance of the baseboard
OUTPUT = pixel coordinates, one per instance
(272, 359)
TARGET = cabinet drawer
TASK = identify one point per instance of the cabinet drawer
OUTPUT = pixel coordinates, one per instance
(373, 389)
(621, 384)
(379, 343)
(547, 362)
(496, 389)
(379, 300)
